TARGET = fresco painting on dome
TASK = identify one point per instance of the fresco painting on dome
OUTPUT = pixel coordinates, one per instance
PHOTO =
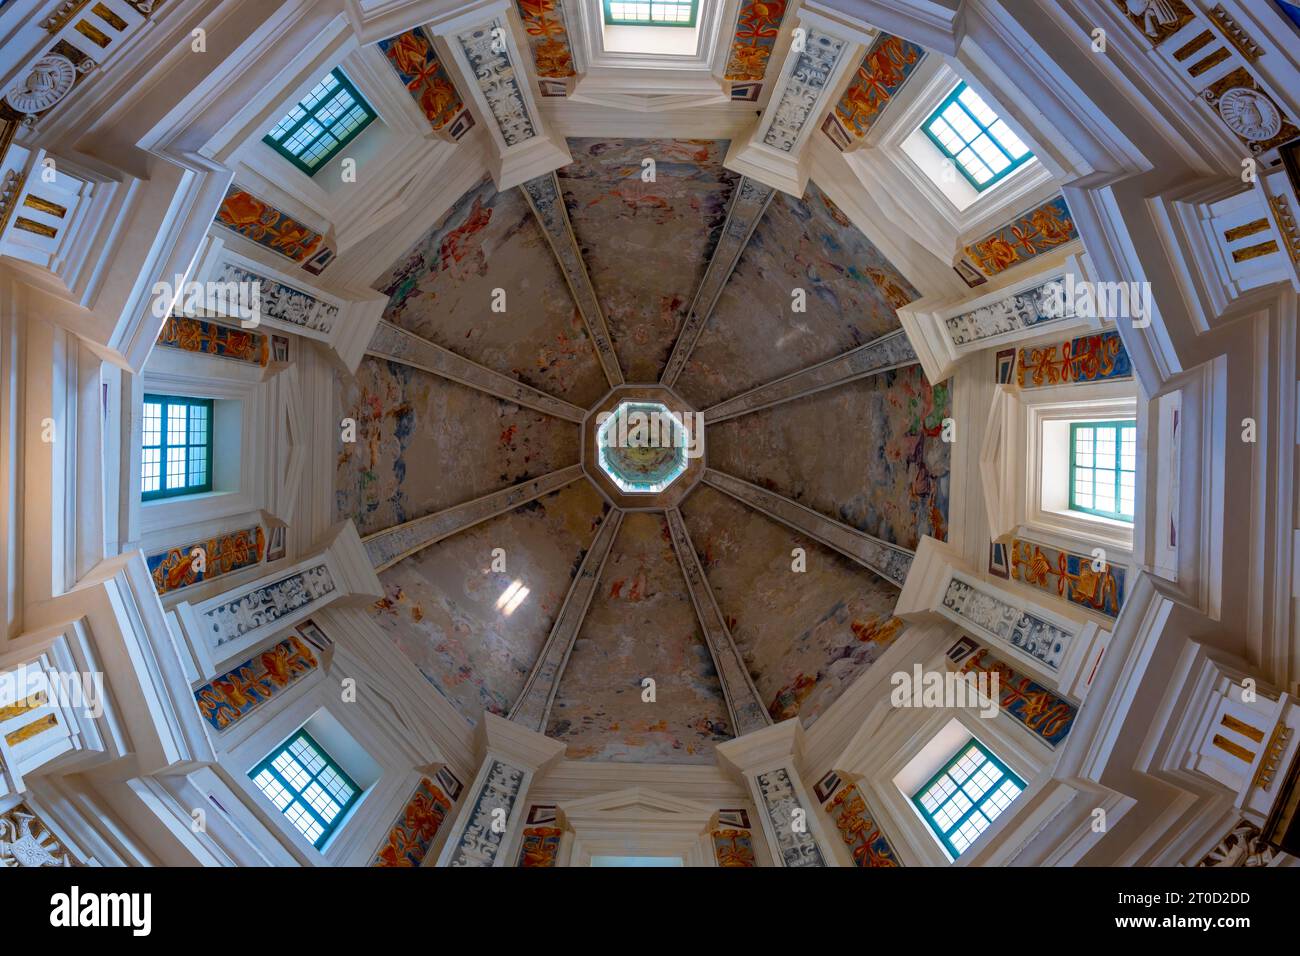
(458, 621)
(443, 287)
(888, 475)
(646, 244)
(851, 294)
(1087, 358)
(804, 642)
(641, 623)
(1028, 235)
(424, 443)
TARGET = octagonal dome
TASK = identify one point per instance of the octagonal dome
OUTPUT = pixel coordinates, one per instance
(642, 447)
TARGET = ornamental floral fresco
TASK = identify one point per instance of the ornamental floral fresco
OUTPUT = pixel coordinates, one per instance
(178, 567)
(803, 645)
(418, 66)
(424, 443)
(443, 606)
(1041, 711)
(259, 221)
(641, 623)
(734, 848)
(887, 65)
(211, 338)
(234, 695)
(1028, 235)
(860, 830)
(444, 284)
(646, 244)
(1086, 358)
(758, 22)
(1069, 576)
(412, 833)
(540, 846)
(548, 37)
(888, 476)
(851, 294)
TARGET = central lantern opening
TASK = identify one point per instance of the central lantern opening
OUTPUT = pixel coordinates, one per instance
(642, 447)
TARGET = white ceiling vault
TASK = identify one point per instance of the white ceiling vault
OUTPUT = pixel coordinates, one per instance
(740, 223)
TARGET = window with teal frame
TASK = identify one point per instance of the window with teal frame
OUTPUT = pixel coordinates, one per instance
(650, 13)
(332, 115)
(963, 799)
(310, 789)
(176, 446)
(980, 144)
(1103, 468)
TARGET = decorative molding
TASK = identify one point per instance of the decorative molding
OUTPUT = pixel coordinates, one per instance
(533, 707)
(804, 89)
(488, 55)
(260, 222)
(887, 560)
(480, 842)
(747, 710)
(1077, 582)
(887, 352)
(748, 204)
(543, 193)
(385, 548)
(396, 344)
(795, 847)
(1016, 627)
(26, 841)
(1034, 707)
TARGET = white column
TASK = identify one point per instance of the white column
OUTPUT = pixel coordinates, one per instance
(827, 46)
(486, 829)
(767, 761)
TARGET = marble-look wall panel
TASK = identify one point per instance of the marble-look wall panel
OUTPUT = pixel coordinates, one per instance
(887, 471)
(444, 288)
(805, 636)
(851, 291)
(641, 623)
(443, 606)
(646, 244)
(424, 443)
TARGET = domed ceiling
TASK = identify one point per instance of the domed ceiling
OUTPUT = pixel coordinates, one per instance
(474, 610)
